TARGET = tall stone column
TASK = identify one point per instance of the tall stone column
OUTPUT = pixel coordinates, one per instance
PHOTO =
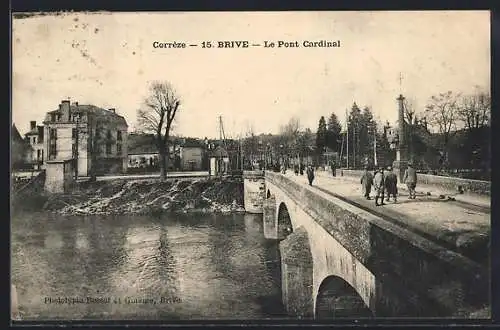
(297, 274)
(401, 162)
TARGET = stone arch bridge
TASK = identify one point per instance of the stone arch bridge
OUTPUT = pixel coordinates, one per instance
(338, 260)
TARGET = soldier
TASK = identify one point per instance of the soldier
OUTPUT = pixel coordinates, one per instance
(391, 184)
(410, 178)
(366, 183)
(310, 174)
(378, 184)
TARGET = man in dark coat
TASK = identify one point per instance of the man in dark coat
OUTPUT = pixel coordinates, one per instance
(379, 185)
(391, 184)
(366, 183)
(301, 169)
(333, 166)
(310, 174)
(410, 178)
(296, 169)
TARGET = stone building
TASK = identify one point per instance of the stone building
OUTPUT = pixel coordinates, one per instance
(95, 138)
(34, 137)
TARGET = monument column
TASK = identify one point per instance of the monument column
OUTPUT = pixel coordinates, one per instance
(401, 162)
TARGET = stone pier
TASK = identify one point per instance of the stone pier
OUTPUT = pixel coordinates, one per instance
(297, 274)
(270, 218)
(254, 191)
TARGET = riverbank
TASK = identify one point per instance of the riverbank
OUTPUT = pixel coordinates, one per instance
(151, 196)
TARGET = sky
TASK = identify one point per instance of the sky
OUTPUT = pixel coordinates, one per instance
(108, 59)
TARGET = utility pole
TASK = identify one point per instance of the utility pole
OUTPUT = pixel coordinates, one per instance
(354, 147)
(375, 146)
(76, 145)
(347, 132)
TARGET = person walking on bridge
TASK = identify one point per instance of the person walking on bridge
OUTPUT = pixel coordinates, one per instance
(310, 174)
(391, 184)
(379, 185)
(410, 178)
(333, 167)
(366, 183)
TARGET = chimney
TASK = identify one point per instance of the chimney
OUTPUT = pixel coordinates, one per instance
(32, 125)
(65, 111)
(112, 110)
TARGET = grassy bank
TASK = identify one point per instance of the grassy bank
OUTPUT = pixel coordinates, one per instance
(150, 197)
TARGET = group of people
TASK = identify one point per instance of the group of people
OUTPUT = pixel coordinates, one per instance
(299, 170)
(386, 184)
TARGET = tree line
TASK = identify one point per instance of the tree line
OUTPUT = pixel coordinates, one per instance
(431, 133)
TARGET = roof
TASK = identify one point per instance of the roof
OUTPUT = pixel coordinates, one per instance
(192, 145)
(219, 152)
(15, 135)
(34, 131)
(17, 138)
(96, 111)
(141, 144)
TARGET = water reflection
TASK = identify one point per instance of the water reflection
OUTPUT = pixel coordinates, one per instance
(204, 267)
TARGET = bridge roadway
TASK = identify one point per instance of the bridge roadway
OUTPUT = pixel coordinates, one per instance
(423, 257)
(461, 225)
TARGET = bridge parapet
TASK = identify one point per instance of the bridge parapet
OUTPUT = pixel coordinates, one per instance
(414, 276)
(441, 182)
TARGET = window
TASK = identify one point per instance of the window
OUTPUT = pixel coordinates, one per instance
(52, 151)
(53, 133)
(119, 135)
(34, 140)
(42, 155)
(38, 155)
(108, 148)
(119, 149)
(74, 151)
(53, 143)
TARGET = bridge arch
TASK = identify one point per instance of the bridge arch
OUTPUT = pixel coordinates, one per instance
(285, 227)
(338, 299)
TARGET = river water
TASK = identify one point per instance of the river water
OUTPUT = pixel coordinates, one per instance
(144, 268)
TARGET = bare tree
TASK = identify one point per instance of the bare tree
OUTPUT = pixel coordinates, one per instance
(442, 114)
(250, 144)
(290, 132)
(158, 115)
(475, 110)
(409, 111)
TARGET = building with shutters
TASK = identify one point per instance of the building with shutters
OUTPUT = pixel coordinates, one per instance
(94, 138)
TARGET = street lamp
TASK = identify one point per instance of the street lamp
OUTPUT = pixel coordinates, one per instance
(205, 142)
(260, 154)
(282, 156)
(268, 148)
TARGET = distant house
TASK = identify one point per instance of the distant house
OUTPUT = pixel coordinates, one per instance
(34, 137)
(143, 152)
(20, 150)
(192, 155)
(219, 161)
(95, 138)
